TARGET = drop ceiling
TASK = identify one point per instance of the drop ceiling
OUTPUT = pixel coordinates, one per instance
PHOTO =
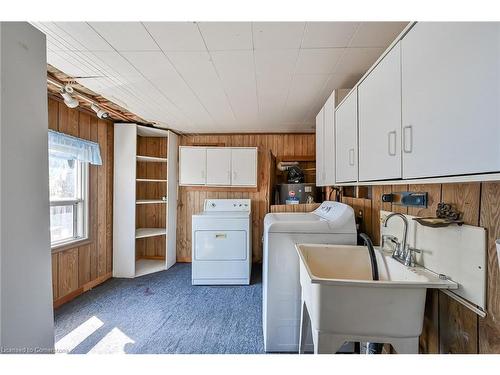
(210, 77)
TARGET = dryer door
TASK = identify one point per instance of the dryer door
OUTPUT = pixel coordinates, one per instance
(220, 245)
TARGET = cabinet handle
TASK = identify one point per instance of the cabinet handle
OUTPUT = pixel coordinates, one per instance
(408, 139)
(351, 157)
(391, 143)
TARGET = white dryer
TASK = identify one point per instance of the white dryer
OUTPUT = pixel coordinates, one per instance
(331, 223)
(221, 243)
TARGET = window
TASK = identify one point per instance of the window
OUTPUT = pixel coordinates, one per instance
(68, 181)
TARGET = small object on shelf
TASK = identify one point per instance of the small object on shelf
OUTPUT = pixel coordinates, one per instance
(445, 215)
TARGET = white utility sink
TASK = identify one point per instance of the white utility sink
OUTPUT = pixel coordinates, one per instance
(341, 302)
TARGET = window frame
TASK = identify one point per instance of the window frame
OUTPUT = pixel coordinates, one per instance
(80, 208)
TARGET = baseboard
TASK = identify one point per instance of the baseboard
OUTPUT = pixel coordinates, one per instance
(84, 288)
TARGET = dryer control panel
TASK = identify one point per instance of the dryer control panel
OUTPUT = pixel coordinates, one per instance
(227, 205)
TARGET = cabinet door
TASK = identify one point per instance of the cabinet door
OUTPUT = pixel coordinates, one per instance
(192, 161)
(244, 166)
(219, 166)
(346, 143)
(450, 99)
(320, 138)
(329, 141)
(379, 119)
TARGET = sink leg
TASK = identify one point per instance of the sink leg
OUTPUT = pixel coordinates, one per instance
(405, 346)
(305, 327)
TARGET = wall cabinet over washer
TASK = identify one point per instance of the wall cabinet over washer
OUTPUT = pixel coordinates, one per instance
(346, 139)
(325, 139)
(218, 166)
(379, 120)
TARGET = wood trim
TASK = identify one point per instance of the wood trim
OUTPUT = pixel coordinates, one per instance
(84, 288)
(72, 245)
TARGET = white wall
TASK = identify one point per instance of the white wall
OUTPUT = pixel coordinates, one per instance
(26, 315)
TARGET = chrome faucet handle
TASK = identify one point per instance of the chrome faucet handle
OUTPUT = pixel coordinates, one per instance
(410, 256)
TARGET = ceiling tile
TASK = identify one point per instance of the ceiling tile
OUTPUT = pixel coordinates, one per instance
(176, 36)
(227, 35)
(277, 35)
(237, 74)
(125, 36)
(71, 64)
(112, 62)
(197, 70)
(85, 37)
(304, 92)
(158, 69)
(355, 62)
(318, 60)
(328, 34)
(377, 34)
(152, 64)
(272, 62)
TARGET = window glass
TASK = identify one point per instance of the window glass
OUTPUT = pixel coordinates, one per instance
(62, 226)
(63, 178)
(68, 200)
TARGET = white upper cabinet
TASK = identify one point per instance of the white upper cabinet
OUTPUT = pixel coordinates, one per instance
(320, 139)
(218, 166)
(325, 139)
(451, 99)
(244, 166)
(379, 120)
(192, 163)
(346, 139)
(329, 140)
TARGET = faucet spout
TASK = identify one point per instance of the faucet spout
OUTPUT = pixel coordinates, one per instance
(400, 251)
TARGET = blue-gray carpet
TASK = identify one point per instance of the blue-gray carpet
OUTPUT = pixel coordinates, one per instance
(163, 313)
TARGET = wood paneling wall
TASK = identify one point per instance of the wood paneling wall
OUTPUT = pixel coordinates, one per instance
(78, 268)
(449, 327)
(191, 198)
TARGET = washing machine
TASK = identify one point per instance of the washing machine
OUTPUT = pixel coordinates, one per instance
(222, 243)
(331, 223)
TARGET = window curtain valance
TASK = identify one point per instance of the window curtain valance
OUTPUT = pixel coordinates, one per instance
(72, 148)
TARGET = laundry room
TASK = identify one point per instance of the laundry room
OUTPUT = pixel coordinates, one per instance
(306, 188)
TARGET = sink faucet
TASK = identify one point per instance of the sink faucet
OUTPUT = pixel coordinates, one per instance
(403, 253)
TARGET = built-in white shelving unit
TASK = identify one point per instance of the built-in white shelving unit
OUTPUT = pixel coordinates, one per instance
(151, 159)
(144, 223)
(151, 201)
(149, 180)
(149, 232)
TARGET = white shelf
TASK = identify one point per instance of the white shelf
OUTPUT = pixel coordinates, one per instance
(147, 131)
(150, 232)
(151, 159)
(150, 180)
(150, 201)
(147, 266)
